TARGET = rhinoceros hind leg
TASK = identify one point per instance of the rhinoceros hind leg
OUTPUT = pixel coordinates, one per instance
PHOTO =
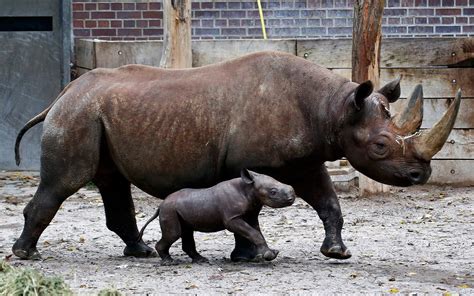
(139, 250)
(38, 214)
(119, 208)
(189, 245)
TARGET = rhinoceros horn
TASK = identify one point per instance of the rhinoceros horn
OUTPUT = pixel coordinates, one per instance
(429, 142)
(409, 120)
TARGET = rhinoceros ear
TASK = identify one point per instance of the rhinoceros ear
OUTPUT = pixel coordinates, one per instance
(361, 93)
(246, 176)
(391, 90)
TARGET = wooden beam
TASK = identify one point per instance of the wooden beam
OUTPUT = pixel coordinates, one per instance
(177, 34)
(395, 52)
(366, 41)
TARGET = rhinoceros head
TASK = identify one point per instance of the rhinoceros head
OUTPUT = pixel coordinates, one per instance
(391, 149)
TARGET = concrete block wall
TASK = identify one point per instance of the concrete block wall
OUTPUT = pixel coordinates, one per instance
(142, 20)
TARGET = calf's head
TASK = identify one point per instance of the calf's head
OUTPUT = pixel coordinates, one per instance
(267, 190)
(391, 149)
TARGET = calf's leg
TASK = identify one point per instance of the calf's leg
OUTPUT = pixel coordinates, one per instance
(170, 225)
(239, 226)
(189, 245)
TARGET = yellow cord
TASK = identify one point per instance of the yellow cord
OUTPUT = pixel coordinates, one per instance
(264, 31)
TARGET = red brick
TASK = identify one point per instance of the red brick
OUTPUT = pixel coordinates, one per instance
(78, 24)
(154, 5)
(129, 14)
(129, 6)
(103, 14)
(90, 24)
(141, 6)
(154, 23)
(90, 6)
(129, 24)
(103, 24)
(104, 32)
(447, 20)
(116, 6)
(142, 24)
(153, 14)
(116, 24)
(82, 32)
(78, 15)
(152, 32)
(77, 6)
(129, 32)
(448, 11)
(104, 6)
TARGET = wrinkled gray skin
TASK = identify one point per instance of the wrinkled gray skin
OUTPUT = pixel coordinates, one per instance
(164, 130)
(233, 205)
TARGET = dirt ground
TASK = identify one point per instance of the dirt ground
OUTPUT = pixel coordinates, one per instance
(413, 240)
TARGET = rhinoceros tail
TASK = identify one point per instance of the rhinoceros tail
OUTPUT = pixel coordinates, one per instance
(140, 235)
(34, 121)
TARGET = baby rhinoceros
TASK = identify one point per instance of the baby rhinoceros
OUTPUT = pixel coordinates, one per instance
(233, 205)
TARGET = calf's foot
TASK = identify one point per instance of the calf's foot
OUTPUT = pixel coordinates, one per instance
(244, 253)
(139, 250)
(335, 250)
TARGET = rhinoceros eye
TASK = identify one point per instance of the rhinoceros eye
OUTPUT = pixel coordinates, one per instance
(380, 148)
(273, 192)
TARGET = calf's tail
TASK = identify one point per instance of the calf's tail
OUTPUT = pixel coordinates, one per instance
(157, 213)
(32, 122)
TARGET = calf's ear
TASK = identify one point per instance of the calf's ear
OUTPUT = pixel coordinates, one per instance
(361, 93)
(246, 176)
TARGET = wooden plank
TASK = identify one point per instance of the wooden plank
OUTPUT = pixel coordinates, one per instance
(207, 52)
(433, 109)
(459, 145)
(452, 172)
(395, 52)
(111, 54)
(84, 54)
(437, 83)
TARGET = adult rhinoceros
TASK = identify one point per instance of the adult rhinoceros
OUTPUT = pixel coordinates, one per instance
(275, 113)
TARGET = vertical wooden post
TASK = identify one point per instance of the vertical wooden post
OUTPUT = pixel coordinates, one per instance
(177, 34)
(366, 43)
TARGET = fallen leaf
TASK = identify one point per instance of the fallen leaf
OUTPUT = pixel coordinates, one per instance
(394, 290)
(192, 286)
(464, 286)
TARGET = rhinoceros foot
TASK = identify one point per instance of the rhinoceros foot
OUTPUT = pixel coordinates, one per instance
(25, 253)
(336, 251)
(140, 250)
(243, 255)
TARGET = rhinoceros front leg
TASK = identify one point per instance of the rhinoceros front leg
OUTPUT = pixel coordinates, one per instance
(245, 250)
(318, 191)
(120, 211)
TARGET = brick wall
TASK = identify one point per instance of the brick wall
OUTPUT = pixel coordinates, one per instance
(141, 20)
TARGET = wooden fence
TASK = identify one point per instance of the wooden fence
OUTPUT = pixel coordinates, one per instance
(442, 65)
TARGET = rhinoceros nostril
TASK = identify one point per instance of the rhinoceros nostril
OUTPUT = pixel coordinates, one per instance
(415, 176)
